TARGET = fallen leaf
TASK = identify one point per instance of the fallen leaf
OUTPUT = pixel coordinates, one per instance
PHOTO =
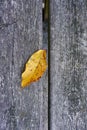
(35, 68)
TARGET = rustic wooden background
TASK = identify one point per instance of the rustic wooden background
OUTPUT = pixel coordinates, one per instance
(68, 64)
(20, 35)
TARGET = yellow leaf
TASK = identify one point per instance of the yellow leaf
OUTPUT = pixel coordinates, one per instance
(35, 67)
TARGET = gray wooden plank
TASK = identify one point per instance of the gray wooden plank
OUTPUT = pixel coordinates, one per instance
(68, 64)
(20, 36)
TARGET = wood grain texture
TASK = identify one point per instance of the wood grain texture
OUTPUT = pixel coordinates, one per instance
(68, 64)
(20, 36)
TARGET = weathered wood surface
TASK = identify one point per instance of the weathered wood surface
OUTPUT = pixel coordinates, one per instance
(68, 64)
(20, 36)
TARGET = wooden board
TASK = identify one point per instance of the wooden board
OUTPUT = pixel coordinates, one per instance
(20, 36)
(68, 64)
